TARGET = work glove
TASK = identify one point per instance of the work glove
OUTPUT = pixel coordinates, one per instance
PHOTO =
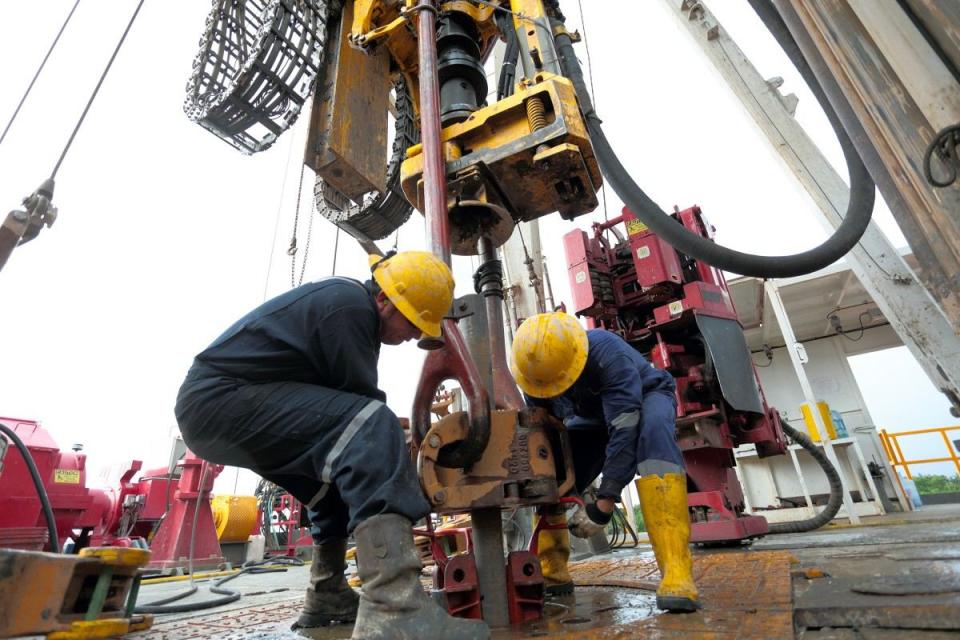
(588, 520)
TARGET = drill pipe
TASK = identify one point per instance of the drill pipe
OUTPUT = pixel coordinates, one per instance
(504, 392)
(434, 167)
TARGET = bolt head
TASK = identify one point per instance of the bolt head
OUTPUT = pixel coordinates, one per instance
(439, 497)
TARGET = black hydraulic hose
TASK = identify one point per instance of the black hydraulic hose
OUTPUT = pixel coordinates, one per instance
(508, 72)
(836, 487)
(228, 595)
(53, 542)
(855, 221)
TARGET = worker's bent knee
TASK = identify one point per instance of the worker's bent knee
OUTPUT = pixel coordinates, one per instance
(373, 470)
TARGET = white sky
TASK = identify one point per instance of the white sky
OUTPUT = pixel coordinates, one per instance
(164, 236)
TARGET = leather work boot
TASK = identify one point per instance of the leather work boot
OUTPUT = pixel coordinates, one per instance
(329, 599)
(554, 551)
(393, 605)
(663, 501)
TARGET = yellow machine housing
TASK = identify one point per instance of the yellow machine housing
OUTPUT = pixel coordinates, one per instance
(527, 171)
(517, 159)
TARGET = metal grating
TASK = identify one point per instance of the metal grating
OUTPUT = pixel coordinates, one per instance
(380, 214)
(256, 67)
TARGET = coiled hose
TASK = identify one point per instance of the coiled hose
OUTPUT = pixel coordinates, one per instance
(227, 595)
(846, 236)
(836, 487)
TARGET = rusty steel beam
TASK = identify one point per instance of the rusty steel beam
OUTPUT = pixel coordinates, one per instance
(896, 288)
(888, 74)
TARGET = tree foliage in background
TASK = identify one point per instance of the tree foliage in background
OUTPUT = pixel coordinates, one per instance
(937, 483)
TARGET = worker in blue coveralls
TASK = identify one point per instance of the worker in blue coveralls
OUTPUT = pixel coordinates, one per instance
(290, 391)
(620, 412)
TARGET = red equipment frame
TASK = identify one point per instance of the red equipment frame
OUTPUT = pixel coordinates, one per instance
(456, 577)
(289, 509)
(659, 299)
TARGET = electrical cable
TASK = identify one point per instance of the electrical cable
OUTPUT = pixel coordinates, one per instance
(855, 221)
(836, 487)
(627, 529)
(96, 90)
(37, 74)
(825, 337)
(944, 146)
(53, 541)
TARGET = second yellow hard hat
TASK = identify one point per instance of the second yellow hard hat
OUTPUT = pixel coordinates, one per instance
(549, 353)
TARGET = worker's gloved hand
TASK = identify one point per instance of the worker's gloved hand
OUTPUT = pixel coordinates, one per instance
(588, 520)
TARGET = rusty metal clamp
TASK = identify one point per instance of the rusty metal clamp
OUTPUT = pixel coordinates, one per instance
(22, 226)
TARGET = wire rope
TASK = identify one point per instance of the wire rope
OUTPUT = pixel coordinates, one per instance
(96, 90)
(37, 74)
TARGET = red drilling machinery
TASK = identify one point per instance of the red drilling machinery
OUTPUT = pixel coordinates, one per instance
(158, 507)
(677, 311)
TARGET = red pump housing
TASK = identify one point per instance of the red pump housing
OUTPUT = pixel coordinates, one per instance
(128, 516)
(22, 524)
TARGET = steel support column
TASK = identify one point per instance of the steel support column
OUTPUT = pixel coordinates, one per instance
(793, 349)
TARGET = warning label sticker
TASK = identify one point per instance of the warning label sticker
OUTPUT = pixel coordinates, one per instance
(676, 308)
(66, 476)
(580, 277)
(635, 226)
(643, 252)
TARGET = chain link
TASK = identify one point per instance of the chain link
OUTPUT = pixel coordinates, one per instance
(292, 249)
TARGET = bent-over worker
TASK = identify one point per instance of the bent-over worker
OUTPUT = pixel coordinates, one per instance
(290, 392)
(620, 412)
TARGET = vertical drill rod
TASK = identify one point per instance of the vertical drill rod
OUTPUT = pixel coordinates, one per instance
(434, 170)
(504, 392)
(487, 526)
(491, 565)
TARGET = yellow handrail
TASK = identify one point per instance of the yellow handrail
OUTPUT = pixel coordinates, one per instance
(891, 446)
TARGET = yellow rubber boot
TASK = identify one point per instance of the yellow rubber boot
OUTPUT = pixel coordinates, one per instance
(554, 552)
(663, 500)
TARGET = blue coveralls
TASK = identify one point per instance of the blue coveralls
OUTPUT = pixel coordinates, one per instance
(620, 414)
(290, 391)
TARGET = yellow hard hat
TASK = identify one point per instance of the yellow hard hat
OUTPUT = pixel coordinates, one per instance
(419, 284)
(549, 353)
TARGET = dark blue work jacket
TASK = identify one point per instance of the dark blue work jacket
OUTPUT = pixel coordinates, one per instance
(610, 392)
(325, 333)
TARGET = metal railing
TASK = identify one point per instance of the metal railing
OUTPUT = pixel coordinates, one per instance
(894, 453)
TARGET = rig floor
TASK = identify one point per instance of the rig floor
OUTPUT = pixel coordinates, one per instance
(896, 577)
